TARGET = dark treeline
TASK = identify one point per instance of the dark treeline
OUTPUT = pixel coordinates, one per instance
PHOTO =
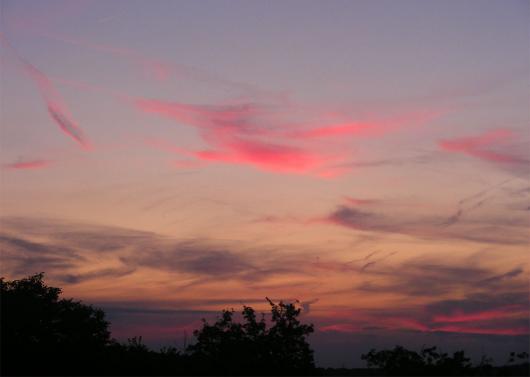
(42, 334)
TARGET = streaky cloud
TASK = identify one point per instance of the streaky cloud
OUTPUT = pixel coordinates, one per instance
(501, 231)
(55, 105)
(491, 146)
(236, 139)
(28, 165)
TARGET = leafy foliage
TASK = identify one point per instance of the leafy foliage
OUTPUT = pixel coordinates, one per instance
(403, 362)
(231, 347)
(37, 325)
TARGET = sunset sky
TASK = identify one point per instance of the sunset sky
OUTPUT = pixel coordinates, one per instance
(166, 159)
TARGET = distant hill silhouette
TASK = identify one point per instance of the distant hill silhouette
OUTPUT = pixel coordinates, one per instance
(42, 334)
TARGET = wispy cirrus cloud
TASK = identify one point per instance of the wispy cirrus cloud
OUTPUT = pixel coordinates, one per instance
(153, 67)
(262, 136)
(409, 278)
(235, 138)
(28, 165)
(501, 230)
(491, 146)
(459, 316)
(22, 256)
(360, 202)
(362, 129)
(56, 107)
(71, 247)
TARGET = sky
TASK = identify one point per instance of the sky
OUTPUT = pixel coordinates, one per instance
(165, 160)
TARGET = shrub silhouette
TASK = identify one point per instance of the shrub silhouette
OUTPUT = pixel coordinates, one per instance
(41, 331)
(229, 347)
(403, 362)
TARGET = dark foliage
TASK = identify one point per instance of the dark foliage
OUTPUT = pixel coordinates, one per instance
(229, 347)
(403, 362)
(42, 334)
(429, 362)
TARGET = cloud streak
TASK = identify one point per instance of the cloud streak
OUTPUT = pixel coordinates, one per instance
(495, 231)
(488, 146)
(235, 138)
(28, 165)
(56, 107)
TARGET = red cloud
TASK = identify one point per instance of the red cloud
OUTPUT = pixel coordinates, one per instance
(398, 324)
(459, 316)
(23, 165)
(483, 146)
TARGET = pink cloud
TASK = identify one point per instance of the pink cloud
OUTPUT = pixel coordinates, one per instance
(251, 134)
(389, 323)
(485, 331)
(234, 138)
(359, 129)
(366, 129)
(223, 118)
(28, 165)
(399, 323)
(483, 146)
(341, 327)
(267, 156)
(359, 202)
(459, 316)
(57, 109)
(262, 155)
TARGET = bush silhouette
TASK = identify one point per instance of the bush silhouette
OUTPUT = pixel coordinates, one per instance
(229, 347)
(403, 362)
(49, 332)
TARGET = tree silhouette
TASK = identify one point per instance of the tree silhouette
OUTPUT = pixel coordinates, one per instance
(38, 326)
(42, 334)
(403, 362)
(250, 347)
